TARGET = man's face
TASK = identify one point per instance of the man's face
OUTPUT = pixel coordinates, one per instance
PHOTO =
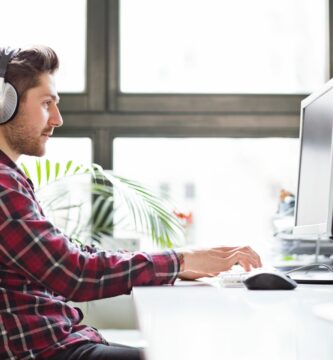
(36, 119)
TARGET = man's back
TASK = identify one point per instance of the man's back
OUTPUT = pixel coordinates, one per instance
(31, 315)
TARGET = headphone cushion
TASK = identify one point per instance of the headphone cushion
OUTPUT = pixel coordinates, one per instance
(9, 100)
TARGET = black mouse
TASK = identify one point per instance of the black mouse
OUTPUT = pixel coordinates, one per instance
(269, 281)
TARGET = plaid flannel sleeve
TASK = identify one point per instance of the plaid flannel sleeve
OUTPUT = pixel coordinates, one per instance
(33, 247)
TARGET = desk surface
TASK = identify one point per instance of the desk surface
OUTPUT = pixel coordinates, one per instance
(200, 321)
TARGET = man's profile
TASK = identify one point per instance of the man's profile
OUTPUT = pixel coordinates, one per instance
(40, 268)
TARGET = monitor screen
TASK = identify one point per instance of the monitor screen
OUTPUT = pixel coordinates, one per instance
(313, 212)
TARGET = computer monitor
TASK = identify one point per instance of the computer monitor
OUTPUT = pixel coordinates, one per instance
(314, 197)
(313, 209)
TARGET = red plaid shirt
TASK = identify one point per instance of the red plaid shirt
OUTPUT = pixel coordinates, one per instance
(41, 269)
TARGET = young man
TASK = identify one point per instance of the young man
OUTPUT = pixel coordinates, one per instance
(40, 268)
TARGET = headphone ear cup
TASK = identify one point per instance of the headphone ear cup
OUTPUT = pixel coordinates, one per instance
(9, 101)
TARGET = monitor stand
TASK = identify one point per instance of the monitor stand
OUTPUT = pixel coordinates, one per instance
(317, 249)
(312, 277)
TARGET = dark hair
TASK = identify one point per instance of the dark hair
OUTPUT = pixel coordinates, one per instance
(25, 68)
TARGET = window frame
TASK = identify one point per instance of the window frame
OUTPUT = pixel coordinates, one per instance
(93, 98)
(193, 103)
(104, 113)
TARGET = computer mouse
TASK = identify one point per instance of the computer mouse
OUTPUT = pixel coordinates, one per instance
(269, 281)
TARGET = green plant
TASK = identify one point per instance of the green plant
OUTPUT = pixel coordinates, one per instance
(88, 203)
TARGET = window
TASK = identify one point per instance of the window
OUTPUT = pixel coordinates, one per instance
(61, 25)
(62, 150)
(230, 186)
(223, 46)
(66, 202)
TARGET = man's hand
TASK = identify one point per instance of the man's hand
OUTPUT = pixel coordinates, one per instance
(210, 262)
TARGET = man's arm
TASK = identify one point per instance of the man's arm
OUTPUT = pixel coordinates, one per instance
(33, 247)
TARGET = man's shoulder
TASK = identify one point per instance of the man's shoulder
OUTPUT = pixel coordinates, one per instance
(10, 177)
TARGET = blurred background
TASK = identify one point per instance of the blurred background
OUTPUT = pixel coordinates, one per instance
(198, 100)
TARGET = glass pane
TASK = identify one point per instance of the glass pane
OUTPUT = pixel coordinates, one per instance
(223, 46)
(231, 187)
(61, 25)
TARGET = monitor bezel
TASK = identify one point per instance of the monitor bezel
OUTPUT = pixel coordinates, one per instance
(320, 230)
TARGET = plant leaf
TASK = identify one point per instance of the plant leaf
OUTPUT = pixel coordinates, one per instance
(68, 166)
(138, 207)
(47, 168)
(26, 171)
(39, 172)
(57, 169)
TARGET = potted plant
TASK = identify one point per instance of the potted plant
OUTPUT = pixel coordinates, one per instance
(88, 203)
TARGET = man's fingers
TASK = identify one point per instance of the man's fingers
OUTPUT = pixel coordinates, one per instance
(246, 250)
(245, 266)
(246, 260)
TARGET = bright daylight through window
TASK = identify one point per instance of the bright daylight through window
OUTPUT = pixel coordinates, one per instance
(60, 25)
(58, 197)
(226, 46)
(228, 188)
(62, 150)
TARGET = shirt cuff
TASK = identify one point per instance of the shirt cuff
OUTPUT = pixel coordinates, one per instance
(166, 266)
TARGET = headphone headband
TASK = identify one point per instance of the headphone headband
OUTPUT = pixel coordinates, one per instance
(6, 55)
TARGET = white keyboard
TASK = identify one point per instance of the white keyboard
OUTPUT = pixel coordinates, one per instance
(232, 279)
(235, 277)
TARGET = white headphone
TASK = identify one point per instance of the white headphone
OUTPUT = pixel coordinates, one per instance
(9, 98)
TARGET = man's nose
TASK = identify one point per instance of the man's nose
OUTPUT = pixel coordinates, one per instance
(55, 118)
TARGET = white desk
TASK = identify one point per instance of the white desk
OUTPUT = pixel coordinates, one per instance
(204, 322)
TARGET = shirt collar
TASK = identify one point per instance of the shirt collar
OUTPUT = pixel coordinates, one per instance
(6, 160)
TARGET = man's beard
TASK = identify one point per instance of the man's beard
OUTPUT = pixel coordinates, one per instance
(21, 141)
